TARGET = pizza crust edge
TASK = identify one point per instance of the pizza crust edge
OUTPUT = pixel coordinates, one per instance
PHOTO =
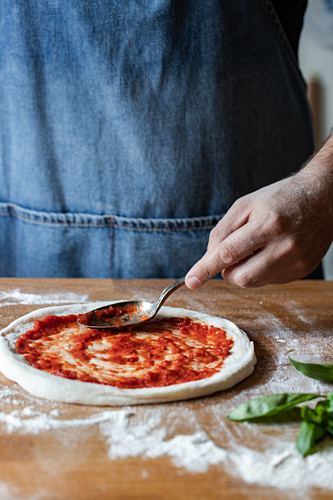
(237, 366)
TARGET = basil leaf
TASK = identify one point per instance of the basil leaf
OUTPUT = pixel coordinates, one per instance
(329, 397)
(292, 416)
(322, 415)
(323, 372)
(329, 427)
(309, 436)
(268, 405)
(317, 415)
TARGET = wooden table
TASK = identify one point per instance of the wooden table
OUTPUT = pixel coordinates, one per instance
(88, 454)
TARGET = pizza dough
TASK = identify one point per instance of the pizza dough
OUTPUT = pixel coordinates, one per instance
(237, 366)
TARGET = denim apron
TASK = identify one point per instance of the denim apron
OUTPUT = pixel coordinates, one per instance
(128, 128)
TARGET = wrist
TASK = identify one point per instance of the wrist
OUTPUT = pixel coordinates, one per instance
(317, 176)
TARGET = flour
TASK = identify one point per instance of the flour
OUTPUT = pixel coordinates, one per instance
(34, 422)
(154, 432)
(15, 296)
(14, 493)
(32, 417)
(194, 452)
(284, 468)
(279, 465)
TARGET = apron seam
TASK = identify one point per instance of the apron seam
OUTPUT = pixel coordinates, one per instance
(71, 219)
(163, 229)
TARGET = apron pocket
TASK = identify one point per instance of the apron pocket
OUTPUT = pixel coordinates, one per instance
(57, 245)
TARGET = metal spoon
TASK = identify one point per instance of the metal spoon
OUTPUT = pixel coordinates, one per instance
(127, 313)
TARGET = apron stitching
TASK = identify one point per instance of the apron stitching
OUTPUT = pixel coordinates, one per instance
(158, 225)
(164, 230)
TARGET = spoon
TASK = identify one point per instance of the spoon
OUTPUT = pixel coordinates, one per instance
(127, 313)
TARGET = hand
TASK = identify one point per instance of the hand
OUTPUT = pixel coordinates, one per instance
(277, 234)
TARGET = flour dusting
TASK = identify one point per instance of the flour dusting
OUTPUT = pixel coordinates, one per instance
(33, 421)
(15, 296)
(194, 452)
(154, 432)
(284, 468)
(278, 465)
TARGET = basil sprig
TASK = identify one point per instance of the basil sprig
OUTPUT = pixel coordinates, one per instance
(268, 406)
(323, 372)
(316, 423)
(309, 436)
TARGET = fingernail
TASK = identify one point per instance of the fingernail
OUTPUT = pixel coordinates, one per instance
(193, 282)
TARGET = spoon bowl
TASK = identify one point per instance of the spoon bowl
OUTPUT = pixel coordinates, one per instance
(127, 314)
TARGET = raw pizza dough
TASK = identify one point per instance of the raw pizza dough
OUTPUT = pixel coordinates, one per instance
(237, 366)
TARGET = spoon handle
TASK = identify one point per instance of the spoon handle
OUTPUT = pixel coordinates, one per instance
(168, 291)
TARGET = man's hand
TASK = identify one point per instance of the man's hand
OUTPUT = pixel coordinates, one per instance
(277, 234)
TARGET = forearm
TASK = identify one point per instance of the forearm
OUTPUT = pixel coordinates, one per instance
(316, 177)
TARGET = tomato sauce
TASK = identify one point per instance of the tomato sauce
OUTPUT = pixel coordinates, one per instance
(164, 352)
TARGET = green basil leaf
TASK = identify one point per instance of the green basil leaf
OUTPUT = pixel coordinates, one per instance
(269, 405)
(323, 372)
(317, 415)
(322, 415)
(309, 436)
(292, 416)
(329, 427)
(329, 397)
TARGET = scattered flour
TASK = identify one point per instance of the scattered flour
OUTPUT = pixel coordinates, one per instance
(154, 432)
(195, 452)
(15, 296)
(13, 493)
(284, 468)
(33, 421)
(278, 465)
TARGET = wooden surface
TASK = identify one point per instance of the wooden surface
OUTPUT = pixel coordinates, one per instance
(77, 461)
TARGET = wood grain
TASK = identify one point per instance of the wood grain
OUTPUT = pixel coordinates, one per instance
(75, 462)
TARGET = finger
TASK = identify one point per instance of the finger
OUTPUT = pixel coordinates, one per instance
(238, 246)
(236, 217)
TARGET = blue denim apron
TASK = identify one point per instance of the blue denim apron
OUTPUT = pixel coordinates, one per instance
(128, 128)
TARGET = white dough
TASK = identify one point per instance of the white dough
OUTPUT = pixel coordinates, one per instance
(237, 366)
